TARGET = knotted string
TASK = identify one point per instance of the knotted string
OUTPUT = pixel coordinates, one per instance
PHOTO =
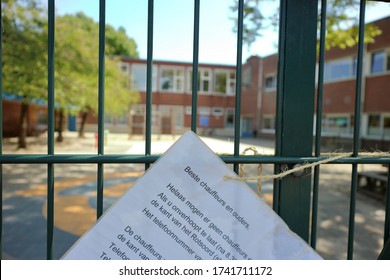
(330, 158)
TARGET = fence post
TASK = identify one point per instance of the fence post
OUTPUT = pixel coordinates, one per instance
(295, 107)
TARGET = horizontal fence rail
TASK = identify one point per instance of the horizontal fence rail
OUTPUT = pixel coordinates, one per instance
(110, 159)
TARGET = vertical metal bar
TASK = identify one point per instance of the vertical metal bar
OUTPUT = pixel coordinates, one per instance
(50, 131)
(100, 168)
(356, 134)
(195, 64)
(149, 79)
(279, 99)
(386, 235)
(237, 115)
(1, 134)
(296, 135)
(320, 88)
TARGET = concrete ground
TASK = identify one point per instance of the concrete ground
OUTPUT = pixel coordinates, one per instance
(24, 196)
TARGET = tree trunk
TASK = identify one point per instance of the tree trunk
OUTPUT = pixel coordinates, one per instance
(60, 137)
(84, 116)
(22, 144)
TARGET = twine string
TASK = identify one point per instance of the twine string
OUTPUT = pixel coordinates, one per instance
(330, 158)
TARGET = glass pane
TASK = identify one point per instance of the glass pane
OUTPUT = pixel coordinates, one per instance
(341, 70)
(386, 126)
(166, 80)
(377, 62)
(220, 82)
(139, 77)
(373, 125)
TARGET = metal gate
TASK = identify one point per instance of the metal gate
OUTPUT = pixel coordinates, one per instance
(295, 197)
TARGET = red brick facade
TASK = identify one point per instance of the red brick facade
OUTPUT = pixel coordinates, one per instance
(338, 94)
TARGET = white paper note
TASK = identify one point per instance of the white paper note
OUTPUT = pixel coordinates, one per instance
(184, 208)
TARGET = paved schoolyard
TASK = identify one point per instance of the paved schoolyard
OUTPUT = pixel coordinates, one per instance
(24, 197)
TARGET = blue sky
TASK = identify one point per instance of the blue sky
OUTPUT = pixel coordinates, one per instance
(173, 27)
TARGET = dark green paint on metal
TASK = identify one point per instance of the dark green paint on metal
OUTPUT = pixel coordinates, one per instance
(95, 159)
(317, 152)
(1, 133)
(195, 64)
(237, 114)
(386, 235)
(100, 167)
(297, 107)
(279, 99)
(149, 79)
(50, 131)
(356, 133)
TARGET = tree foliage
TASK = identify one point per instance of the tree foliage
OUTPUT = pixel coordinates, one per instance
(76, 59)
(24, 46)
(24, 60)
(341, 26)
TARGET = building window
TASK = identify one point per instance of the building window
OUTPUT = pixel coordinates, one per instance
(225, 82)
(229, 118)
(270, 82)
(268, 122)
(204, 80)
(378, 125)
(204, 111)
(374, 125)
(217, 111)
(115, 119)
(188, 110)
(338, 124)
(220, 82)
(172, 80)
(380, 62)
(175, 113)
(138, 77)
(232, 83)
(386, 126)
(340, 69)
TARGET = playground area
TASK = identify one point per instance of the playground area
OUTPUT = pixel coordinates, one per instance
(24, 195)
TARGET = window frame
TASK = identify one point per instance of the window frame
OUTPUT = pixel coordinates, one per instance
(175, 78)
(201, 78)
(273, 86)
(330, 65)
(385, 64)
(230, 83)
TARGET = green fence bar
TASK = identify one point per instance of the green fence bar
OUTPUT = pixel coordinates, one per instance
(100, 167)
(1, 133)
(317, 152)
(279, 99)
(149, 79)
(297, 95)
(237, 115)
(356, 133)
(50, 130)
(138, 159)
(195, 64)
(386, 235)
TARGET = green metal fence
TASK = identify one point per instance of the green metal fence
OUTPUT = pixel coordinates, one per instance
(295, 198)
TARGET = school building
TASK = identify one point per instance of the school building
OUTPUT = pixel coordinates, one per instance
(338, 93)
(172, 88)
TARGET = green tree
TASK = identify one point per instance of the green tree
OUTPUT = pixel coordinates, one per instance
(24, 55)
(77, 63)
(341, 27)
